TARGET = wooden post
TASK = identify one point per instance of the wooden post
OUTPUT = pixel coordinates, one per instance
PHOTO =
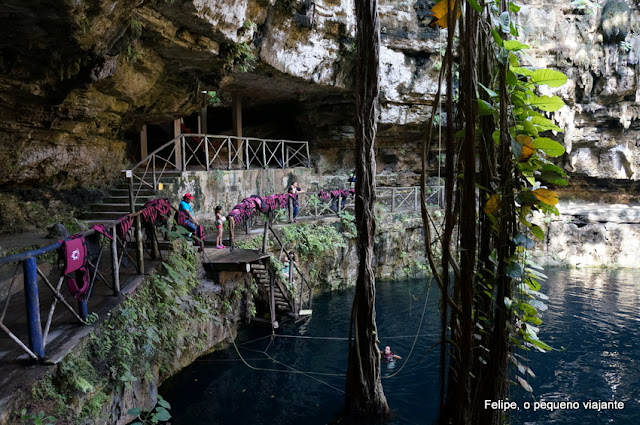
(272, 301)
(308, 157)
(284, 162)
(264, 153)
(114, 262)
(83, 308)
(32, 300)
(415, 198)
(139, 247)
(143, 143)
(236, 124)
(178, 145)
(393, 197)
(264, 239)
(232, 229)
(132, 202)
(202, 120)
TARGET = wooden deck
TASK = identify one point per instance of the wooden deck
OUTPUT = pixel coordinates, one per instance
(225, 260)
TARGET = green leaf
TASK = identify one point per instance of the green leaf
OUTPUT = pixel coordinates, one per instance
(549, 77)
(537, 232)
(488, 90)
(548, 146)
(511, 79)
(497, 38)
(532, 283)
(552, 167)
(532, 319)
(134, 412)
(475, 5)
(521, 71)
(164, 403)
(505, 22)
(526, 197)
(553, 178)
(542, 123)
(546, 103)
(514, 45)
(162, 414)
(514, 7)
(514, 270)
(484, 108)
(522, 240)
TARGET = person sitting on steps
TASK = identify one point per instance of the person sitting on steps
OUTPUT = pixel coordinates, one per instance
(190, 223)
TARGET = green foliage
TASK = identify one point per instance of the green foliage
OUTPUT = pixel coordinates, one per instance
(214, 99)
(145, 331)
(160, 413)
(239, 57)
(40, 419)
(311, 240)
(348, 222)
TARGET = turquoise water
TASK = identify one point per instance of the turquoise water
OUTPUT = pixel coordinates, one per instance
(297, 376)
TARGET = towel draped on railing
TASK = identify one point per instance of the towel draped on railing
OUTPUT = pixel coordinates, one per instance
(265, 204)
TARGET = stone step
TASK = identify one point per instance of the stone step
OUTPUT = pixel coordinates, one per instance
(102, 215)
(125, 192)
(125, 208)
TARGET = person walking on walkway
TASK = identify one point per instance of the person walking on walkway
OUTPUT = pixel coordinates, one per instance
(190, 222)
(295, 190)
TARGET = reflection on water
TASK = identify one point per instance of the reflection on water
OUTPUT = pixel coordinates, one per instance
(298, 376)
(594, 316)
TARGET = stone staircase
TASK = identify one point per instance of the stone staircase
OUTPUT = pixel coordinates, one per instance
(116, 204)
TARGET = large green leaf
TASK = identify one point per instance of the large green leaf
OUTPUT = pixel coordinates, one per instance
(475, 5)
(553, 178)
(514, 45)
(549, 77)
(521, 71)
(546, 103)
(548, 146)
(543, 123)
(484, 108)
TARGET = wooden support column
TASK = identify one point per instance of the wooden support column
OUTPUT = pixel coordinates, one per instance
(139, 245)
(144, 151)
(202, 120)
(176, 132)
(114, 261)
(236, 125)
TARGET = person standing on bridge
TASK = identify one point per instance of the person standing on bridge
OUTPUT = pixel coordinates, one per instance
(190, 222)
(295, 190)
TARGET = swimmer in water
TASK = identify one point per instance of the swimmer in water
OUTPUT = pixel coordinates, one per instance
(388, 355)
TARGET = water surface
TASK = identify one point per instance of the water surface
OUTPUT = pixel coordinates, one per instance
(298, 375)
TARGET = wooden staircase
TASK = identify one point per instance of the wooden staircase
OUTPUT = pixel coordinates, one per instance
(117, 203)
(272, 288)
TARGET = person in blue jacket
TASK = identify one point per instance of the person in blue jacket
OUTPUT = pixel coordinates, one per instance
(190, 223)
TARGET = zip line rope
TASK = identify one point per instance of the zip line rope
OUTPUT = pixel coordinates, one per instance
(415, 339)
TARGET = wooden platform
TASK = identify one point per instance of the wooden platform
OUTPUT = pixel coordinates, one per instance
(225, 260)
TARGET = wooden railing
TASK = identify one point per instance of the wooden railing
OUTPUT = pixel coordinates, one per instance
(305, 290)
(205, 152)
(127, 255)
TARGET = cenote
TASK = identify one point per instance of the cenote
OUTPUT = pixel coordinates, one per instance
(297, 376)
